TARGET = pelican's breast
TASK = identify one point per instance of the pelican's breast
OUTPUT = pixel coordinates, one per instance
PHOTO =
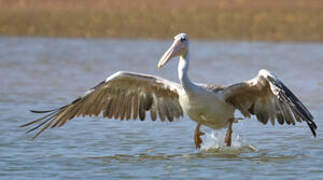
(207, 108)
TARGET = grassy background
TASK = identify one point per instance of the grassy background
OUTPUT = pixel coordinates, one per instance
(274, 20)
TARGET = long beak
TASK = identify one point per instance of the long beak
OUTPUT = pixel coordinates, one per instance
(169, 54)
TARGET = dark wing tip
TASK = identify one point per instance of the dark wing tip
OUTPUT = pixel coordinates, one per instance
(312, 127)
(295, 104)
(47, 111)
(52, 112)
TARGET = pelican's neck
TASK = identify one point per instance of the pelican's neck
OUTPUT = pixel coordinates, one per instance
(182, 72)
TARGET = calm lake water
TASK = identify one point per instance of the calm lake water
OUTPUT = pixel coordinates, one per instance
(41, 73)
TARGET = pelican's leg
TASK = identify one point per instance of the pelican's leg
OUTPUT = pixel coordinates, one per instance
(197, 136)
(229, 133)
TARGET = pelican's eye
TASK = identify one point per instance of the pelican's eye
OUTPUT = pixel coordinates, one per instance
(183, 39)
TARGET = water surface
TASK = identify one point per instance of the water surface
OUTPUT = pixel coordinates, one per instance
(41, 73)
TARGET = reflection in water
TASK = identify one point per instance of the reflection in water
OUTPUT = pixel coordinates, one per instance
(41, 73)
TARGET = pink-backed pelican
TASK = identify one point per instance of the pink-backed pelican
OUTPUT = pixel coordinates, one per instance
(128, 95)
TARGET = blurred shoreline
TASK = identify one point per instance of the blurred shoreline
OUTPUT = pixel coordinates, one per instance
(288, 20)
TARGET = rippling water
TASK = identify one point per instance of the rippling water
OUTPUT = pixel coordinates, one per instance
(40, 73)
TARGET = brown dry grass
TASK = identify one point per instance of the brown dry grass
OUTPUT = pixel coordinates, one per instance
(292, 20)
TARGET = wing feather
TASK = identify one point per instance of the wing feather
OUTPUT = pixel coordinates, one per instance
(268, 98)
(153, 112)
(128, 106)
(135, 106)
(161, 110)
(123, 95)
(142, 109)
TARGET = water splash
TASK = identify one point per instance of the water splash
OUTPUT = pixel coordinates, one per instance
(214, 141)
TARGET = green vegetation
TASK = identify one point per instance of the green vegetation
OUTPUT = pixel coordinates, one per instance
(276, 20)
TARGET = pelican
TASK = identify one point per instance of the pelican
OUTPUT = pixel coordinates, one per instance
(128, 95)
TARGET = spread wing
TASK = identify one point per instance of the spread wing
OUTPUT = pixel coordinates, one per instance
(123, 95)
(268, 98)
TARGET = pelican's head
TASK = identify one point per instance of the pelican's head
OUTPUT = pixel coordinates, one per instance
(178, 48)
